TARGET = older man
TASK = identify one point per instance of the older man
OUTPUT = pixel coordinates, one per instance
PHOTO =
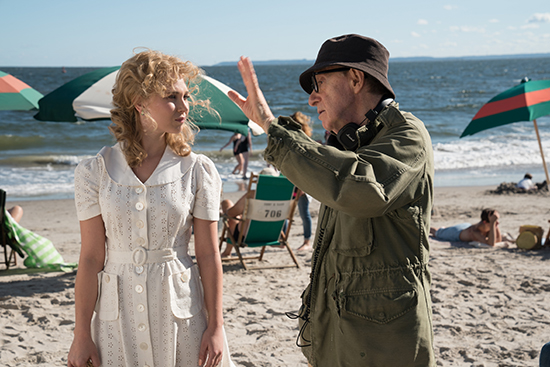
(368, 301)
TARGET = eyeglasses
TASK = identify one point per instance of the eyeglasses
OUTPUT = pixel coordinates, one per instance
(314, 85)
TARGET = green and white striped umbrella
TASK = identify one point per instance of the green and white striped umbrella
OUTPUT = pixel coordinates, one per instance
(89, 97)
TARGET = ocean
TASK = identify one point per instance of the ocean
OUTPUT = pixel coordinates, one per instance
(37, 159)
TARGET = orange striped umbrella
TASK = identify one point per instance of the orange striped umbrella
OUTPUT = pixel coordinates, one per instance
(16, 95)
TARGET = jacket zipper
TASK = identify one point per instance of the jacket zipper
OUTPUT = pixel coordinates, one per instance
(315, 260)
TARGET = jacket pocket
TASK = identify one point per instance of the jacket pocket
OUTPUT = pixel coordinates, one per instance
(107, 296)
(186, 294)
(380, 306)
(352, 236)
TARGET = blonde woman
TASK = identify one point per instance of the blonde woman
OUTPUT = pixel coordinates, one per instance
(138, 203)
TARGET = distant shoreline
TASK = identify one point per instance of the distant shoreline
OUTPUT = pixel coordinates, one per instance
(397, 59)
(310, 62)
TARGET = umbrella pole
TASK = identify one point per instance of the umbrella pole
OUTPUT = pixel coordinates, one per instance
(541, 152)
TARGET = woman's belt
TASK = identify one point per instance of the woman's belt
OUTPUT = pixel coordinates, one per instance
(141, 256)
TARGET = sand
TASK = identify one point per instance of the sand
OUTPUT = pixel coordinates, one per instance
(490, 306)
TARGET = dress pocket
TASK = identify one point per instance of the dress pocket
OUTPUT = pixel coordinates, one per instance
(380, 306)
(186, 294)
(107, 296)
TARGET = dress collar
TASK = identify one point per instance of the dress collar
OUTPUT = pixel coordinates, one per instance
(171, 167)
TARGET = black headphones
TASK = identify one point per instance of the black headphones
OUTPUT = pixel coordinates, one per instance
(348, 137)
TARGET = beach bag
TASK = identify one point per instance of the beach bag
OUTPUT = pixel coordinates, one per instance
(530, 237)
(41, 251)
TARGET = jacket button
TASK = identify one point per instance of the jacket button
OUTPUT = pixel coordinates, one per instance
(139, 206)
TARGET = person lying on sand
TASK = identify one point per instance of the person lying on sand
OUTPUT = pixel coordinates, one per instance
(486, 231)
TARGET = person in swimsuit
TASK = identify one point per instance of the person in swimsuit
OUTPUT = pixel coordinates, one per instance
(235, 139)
(485, 231)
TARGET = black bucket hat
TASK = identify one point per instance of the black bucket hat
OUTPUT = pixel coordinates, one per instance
(354, 51)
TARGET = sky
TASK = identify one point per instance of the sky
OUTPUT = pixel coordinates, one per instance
(101, 33)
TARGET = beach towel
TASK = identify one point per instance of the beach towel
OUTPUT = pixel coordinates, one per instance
(41, 252)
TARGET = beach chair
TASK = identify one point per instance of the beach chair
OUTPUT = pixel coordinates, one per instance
(9, 244)
(263, 220)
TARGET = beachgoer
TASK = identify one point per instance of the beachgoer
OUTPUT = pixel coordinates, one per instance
(16, 213)
(241, 146)
(304, 199)
(368, 303)
(138, 203)
(526, 183)
(235, 139)
(485, 231)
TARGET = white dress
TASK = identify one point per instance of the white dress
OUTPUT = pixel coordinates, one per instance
(150, 307)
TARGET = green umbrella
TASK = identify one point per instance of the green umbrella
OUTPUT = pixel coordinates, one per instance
(16, 95)
(525, 102)
(89, 97)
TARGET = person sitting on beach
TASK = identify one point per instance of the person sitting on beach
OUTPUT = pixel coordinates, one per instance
(526, 183)
(16, 213)
(486, 231)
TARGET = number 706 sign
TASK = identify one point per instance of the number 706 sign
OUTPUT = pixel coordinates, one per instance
(267, 211)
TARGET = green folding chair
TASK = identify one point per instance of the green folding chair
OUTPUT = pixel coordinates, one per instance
(263, 220)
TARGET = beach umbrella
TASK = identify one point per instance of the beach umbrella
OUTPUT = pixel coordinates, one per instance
(89, 97)
(525, 102)
(16, 95)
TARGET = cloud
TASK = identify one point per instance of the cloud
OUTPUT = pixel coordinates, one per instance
(414, 34)
(530, 26)
(450, 7)
(467, 29)
(422, 22)
(539, 18)
(449, 44)
(493, 20)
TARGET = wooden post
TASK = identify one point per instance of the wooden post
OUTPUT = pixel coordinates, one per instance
(541, 152)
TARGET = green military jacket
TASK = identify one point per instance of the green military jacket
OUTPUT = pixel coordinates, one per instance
(368, 301)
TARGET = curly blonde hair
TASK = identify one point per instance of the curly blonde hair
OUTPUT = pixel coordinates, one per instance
(145, 74)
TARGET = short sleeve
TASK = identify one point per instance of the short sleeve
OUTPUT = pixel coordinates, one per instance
(208, 190)
(86, 188)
